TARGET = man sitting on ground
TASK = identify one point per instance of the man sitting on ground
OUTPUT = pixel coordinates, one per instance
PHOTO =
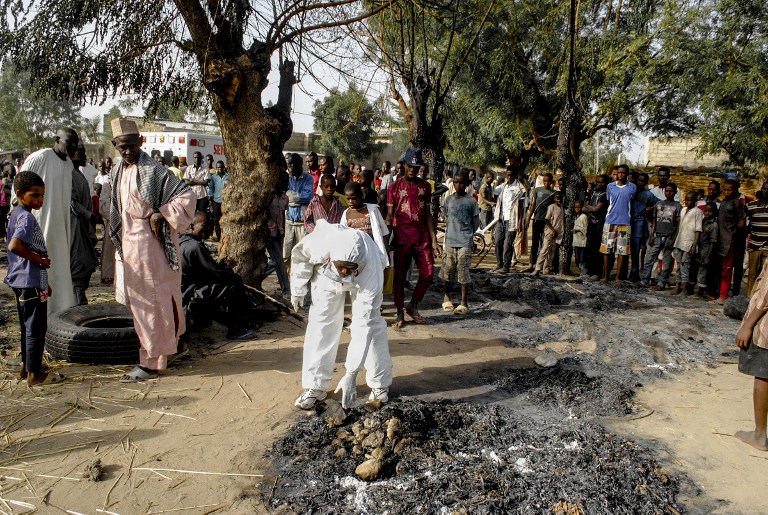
(204, 282)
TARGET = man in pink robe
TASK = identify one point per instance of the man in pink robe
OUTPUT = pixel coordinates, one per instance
(150, 206)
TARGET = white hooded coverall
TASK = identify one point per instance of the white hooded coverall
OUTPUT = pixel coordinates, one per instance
(312, 264)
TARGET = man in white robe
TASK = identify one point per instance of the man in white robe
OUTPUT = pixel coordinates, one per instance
(89, 172)
(150, 206)
(55, 167)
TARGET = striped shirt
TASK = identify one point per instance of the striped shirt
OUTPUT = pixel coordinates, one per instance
(758, 225)
(316, 211)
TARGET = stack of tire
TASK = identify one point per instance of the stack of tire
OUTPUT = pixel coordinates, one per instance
(99, 333)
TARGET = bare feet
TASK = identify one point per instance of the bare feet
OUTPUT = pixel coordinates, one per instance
(749, 437)
(604, 280)
(399, 321)
(676, 292)
(719, 301)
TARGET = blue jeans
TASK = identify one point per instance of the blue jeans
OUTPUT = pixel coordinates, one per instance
(33, 322)
(662, 242)
(504, 240)
(275, 249)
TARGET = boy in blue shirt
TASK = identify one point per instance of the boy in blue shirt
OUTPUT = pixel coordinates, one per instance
(462, 218)
(27, 276)
(617, 231)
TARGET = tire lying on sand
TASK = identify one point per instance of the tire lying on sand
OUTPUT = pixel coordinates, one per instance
(99, 333)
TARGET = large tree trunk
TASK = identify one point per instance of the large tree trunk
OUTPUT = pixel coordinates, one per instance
(254, 137)
(568, 163)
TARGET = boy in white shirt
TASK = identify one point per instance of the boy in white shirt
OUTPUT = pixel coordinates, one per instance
(691, 219)
(580, 226)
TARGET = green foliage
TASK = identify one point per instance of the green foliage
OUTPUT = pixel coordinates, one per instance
(347, 122)
(90, 51)
(511, 96)
(721, 54)
(27, 120)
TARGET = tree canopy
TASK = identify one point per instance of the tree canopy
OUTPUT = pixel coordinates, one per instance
(164, 52)
(719, 57)
(347, 121)
(29, 120)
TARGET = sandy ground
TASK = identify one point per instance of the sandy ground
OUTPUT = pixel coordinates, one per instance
(193, 441)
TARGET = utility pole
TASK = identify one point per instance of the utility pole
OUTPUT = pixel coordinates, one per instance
(597, 153)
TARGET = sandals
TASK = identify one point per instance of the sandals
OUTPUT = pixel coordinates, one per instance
(416, 318)
(138, 374)
(176, 357)
(447, 306)
(461, 310)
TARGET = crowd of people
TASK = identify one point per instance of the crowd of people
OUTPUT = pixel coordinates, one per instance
(642, 232)
(345, 232)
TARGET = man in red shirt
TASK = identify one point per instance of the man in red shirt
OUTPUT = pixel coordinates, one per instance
(313, 169)
(410, 220)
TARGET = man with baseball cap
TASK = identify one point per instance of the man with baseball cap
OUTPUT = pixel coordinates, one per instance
(410, 220)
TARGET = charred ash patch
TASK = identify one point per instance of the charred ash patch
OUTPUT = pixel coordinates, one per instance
(449, 457)
(546, 295)
(573, 388)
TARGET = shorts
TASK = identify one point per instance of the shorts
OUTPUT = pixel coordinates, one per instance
(754, 361)
(616, 239)
(456, 264)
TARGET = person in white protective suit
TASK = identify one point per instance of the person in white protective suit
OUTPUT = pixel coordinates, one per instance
(334, 260)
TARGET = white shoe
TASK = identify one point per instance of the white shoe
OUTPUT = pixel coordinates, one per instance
(309, 397)
(379, 394)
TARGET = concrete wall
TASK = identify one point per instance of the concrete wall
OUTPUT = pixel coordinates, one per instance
(679, 152)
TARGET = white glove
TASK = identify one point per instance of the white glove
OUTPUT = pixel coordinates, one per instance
(297, 302)
(348, 387)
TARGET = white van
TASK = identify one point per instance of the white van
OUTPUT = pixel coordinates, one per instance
(183, 144)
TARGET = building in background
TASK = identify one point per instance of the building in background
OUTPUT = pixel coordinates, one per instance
(679, 153)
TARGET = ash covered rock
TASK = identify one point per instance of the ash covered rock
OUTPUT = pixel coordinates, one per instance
(454, 457)
(735, 307)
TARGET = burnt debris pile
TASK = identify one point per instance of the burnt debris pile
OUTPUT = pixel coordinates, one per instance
(443, 457)
(570, 389)
(545, 296)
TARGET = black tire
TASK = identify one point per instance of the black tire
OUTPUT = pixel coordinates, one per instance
(100, 333)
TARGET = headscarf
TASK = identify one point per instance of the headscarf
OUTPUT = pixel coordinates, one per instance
(157, 187)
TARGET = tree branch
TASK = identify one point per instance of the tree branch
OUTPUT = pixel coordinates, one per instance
(278, 42)
(197, 23)
(441, 95)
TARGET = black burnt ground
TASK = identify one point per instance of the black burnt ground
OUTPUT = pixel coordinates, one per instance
(578, 387)
(479, 458)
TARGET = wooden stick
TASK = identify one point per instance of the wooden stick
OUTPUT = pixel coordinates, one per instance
(574, 288)
(183, 509)
(282, 307)
(620, 419)
(106, 499)
(171, 414)
(203, 473)
(219, 388)
(244, 392)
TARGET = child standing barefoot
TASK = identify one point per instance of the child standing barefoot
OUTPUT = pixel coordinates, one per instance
(752, 339)
(27, 276)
